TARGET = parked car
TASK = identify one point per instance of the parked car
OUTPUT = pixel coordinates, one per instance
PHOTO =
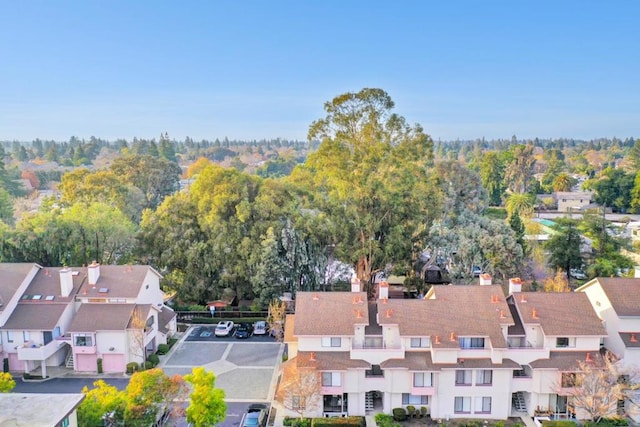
(244, 330)
(577, 274)
(256, 416)
(224, 328)
(260, 328)
(476, 271)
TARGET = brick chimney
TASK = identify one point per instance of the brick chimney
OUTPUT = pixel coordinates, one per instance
(485, 279)
(383, 290)
(515, 285)
(93, 273)
(355, 283)
(66, 282)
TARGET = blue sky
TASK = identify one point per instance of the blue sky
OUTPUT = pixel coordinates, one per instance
(263, 69)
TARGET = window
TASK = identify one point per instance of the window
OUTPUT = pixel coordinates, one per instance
(374, 372)
(331, 379)
(484, 377)
(410, 399)
(466, 342)
(420, 342)
(462, 405)
(297, 402)
(331, 342)
(65, 422)
(9, 336)
(463, 377)
(423, 379)
(483, 405)
(26, 336)
(83, 340)
(562, 342)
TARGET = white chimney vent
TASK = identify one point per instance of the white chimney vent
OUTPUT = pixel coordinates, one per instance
(515, 285)
(383, 290)
(94, 273)
(636, 272)
(485, 279)
(66, 282)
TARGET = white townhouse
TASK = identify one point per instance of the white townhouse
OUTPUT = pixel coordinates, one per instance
(461, 352)
(75, 316)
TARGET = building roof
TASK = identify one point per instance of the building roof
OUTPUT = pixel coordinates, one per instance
(559, 313)
(37, 409)
(329, 361)
(47, 283)
(623, 293)
(413, 361)
(11, 277)
(330, 313)
(94, 317)
(450, 312)
(565, 360)
(35, 316)
(165, 317)
(630, 339)
(119, 281)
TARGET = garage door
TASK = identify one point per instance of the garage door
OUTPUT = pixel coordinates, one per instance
(86, 362)
(113, 363)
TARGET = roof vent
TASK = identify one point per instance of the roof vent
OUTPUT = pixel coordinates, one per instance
(452, 337)
(633, 338)
(316, 297)
(588, 358)
(523, 298)
(312, 357)
(388, 313)
(502, 315)
(494, 298)
(358, 314)
(534, 313)
(437, 339)
(384, 300)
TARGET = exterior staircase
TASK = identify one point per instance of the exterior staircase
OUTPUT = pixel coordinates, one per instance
(518, 402)
(69, 361)
(368, 401)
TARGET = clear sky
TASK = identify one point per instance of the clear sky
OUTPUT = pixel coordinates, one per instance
(263, 69)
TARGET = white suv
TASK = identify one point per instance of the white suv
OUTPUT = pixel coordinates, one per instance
(224, 328)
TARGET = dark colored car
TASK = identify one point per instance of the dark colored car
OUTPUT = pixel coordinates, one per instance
(256, 416)
(244, 330)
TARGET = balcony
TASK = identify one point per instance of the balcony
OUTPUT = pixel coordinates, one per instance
(376, 352)
(331, 390)
(84, 349)
(33, 351)
(527, 353)
(423, 391)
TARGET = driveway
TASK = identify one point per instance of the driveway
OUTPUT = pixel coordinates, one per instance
(245, 369)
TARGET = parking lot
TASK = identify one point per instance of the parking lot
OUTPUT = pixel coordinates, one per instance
(245, 369)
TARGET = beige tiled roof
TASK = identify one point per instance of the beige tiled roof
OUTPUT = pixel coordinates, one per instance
(35, 316)
(330, 313)
(630, 339)
(565, 360)
(47, 282)
(102, 317)
(623, 293)
(559, 313)
(165, 316)
(470, 311)
(413, 361)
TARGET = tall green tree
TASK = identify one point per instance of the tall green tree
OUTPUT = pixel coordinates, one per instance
(491, 172)
(565, 245)
(370, 177)
(519, 170)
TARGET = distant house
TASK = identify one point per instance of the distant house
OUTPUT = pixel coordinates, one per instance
(39, 409)
(75, 316)
(569, 201)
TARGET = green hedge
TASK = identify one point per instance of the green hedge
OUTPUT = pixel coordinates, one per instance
(132, 367)
(608, 422)
(338, 421)
(296, 422)
(399, 414)
(154, 359)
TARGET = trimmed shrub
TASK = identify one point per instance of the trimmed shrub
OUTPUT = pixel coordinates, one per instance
(411, 410)
(558, 423)
(163, 349)
(154, 359)
(338, 422)
(399, 414)
(148, 365)
(132, 367)
(424, 411)
(296, 422)
(172, 341)
(99, 362)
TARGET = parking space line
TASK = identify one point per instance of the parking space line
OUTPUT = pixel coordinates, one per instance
(226, 351)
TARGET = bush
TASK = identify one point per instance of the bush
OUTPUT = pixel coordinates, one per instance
(411, 411)
(607, 422)
(338, 422)
(500, 423)
(198, 308)
(399, 414)
(153, 359)
(172, 341)
(148, 365)
(424, 411)
(132, 367)
(558, 423)
(385, 420)
(296, 422)
(163, 349)
(99, 362)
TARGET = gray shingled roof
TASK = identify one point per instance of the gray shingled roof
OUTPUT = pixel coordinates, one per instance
(623, 293)
(165, 316)
(122, 281)
(565, 360)
(559, 313)
(102, 317)
(11, 277)
(330, 313)
(329, 361)
(35, 316)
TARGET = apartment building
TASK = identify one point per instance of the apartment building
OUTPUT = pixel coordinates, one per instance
(461, 351)
(75, 316)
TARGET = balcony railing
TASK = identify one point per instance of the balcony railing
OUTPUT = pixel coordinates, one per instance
(33, 351)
